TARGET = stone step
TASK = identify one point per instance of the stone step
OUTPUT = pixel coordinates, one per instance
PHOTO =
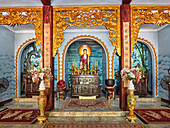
(148, 99)
(86, 114)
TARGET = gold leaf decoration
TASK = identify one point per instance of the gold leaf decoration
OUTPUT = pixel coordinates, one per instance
(159, 15)
(18, 16)
(84, 16)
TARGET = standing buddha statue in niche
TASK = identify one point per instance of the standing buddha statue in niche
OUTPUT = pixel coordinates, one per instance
(85, 59)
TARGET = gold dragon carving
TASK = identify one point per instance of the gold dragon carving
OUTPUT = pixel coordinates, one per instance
(159, 15)
(84, 16)
(18, 16)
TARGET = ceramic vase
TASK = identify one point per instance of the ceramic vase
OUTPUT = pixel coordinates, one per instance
(131, 102)
(42, 102)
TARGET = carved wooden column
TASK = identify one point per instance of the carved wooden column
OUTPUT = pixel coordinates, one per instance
(48, 60)
(125, 50)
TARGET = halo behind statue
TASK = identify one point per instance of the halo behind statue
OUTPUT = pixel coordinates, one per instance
(82, 47)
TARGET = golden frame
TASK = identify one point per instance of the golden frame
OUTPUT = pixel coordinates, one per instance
(18, 16)
(71, 41)
(159, 15)
(109, 16)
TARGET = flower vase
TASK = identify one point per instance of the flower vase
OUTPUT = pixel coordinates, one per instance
(42, 102)
(131, 102)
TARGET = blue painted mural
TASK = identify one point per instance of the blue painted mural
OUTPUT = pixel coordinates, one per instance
(164, 59)
(7, 62)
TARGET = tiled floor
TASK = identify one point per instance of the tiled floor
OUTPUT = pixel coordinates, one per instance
(84, 119)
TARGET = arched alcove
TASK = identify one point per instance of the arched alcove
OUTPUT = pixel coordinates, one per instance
(98, 54)
(20, 56)
(151, 64)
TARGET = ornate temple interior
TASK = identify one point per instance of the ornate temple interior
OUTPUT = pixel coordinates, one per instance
(88, 63)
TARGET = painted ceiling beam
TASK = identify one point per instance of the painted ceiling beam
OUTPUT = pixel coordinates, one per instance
(126, 1)
(46, 2)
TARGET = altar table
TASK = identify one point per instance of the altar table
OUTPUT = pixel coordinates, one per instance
(85, 85)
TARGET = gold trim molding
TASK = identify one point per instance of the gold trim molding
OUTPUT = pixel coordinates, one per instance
(18, 16)
(71, 41)
(159, 15)
(16, 64)
(156, 63)
(86, 16)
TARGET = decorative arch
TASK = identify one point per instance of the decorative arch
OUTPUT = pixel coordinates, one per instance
(75, 39)
(86, 16)
(154, 62)
(17, 66)
(159, 15)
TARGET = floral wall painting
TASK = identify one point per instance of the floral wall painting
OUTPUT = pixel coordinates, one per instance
(141, 58)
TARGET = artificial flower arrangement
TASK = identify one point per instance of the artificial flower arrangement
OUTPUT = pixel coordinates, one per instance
(42, 76)
(96, 66)
(77, 71)
(92, 70)
(74, 68)
(130, 74)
